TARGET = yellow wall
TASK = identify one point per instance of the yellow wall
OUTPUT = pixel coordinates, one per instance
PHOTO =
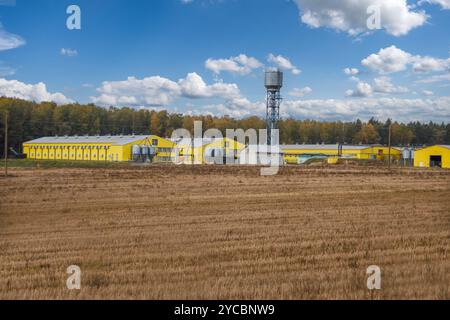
(422, 157)
(188, 155)
(378, 153)
(80, 151)
(61, 151)
(330, 152)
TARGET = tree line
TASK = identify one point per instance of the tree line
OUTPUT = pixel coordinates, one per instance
(29, 120)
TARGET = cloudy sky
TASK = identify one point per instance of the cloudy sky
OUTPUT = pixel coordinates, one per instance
(209, 56)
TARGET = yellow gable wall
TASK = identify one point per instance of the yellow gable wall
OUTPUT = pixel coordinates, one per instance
(164, 148)
(422, 157)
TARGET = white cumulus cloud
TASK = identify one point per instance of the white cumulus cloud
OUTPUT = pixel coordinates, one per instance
(435, 78)
(158, 91)
(385, 85)
(241, 64)
(382, 85)
(363, 89)
(34, 92)
(351, 71)
(393, 59)
(429, 64)
(406, 110)
(388, 60)
(283, 63)
(300, 92)
(397, 17)
(427, 109)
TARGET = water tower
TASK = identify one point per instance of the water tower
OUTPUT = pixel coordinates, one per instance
(273, 84)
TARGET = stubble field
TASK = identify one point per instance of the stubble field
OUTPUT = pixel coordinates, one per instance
(216, 232)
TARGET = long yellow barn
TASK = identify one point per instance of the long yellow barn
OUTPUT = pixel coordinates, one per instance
(374, 152)
(95, 148)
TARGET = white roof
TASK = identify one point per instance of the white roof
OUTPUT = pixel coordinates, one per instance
(187, 142)
(115, 140)
(438, 145)
(256, 148)
(322, 147)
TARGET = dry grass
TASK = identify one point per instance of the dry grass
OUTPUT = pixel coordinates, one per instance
(225, 233)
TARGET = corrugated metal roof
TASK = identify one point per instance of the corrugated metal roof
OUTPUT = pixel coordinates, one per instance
(187, 142)
(115, 140)
(321, 147)
(256, 148)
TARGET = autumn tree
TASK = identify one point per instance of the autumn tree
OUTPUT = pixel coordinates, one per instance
(367, 135)
(29, 120)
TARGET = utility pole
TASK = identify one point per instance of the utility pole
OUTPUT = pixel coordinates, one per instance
(389, 158)
(6, 143)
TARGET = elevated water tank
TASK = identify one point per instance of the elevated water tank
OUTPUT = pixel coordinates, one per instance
(273, 80)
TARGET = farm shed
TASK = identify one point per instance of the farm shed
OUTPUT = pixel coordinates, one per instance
(94, 148)
(434, 156)
(375, 152)
(206, 150)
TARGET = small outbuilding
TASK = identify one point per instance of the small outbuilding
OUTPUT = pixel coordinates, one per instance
(435, 156)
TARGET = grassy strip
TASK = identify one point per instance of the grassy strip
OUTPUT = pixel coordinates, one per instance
(28, 163)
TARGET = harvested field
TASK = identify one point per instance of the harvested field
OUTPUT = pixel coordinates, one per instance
(176, 232)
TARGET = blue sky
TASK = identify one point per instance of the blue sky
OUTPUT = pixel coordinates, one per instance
(208, 56)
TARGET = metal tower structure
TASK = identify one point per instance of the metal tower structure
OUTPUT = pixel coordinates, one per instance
(273, 84)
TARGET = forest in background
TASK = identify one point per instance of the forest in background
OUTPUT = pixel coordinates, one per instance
(29, 120)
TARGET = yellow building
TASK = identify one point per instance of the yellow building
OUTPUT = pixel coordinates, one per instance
(95, 148)
(292, 153)
(206, 151)
(435, 156)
